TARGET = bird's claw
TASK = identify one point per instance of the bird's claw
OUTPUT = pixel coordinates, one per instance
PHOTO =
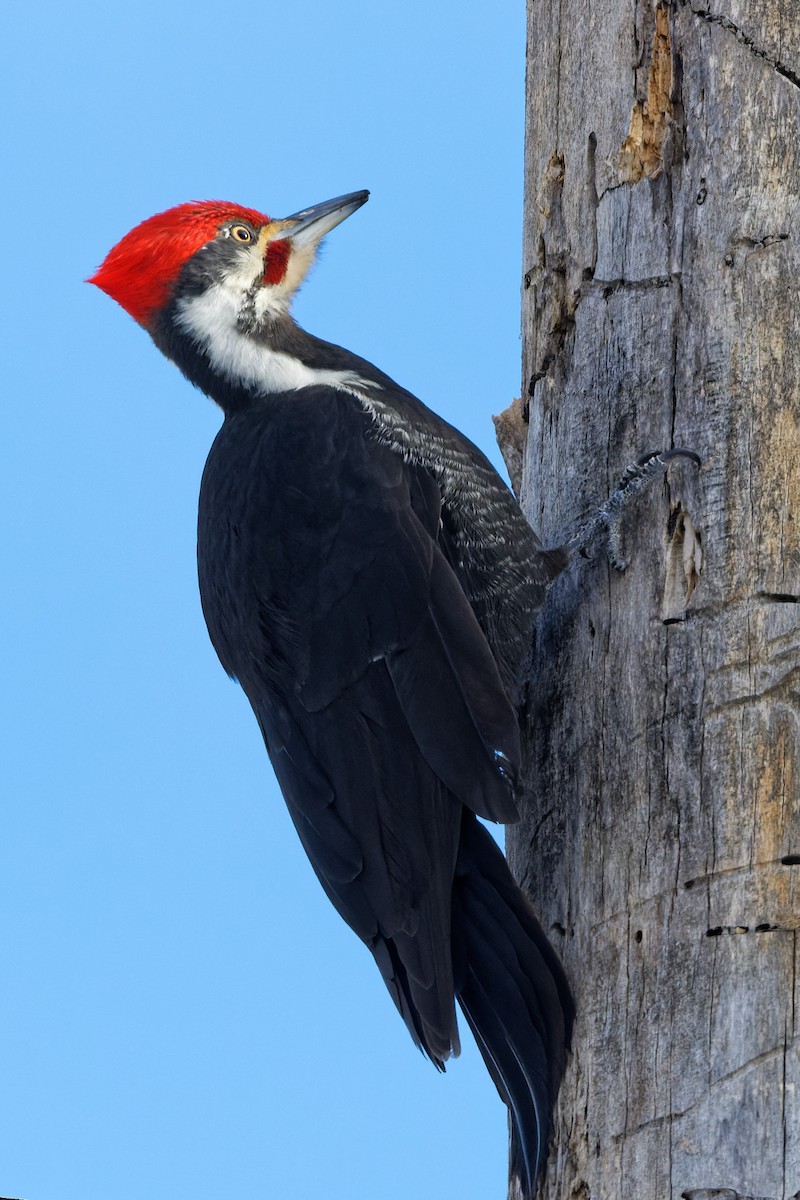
(609, 516)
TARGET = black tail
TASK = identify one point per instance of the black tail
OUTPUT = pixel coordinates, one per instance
(514, 994)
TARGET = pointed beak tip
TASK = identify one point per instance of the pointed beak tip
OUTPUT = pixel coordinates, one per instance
(311, 224)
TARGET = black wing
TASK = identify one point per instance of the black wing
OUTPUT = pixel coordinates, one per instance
(327, 594)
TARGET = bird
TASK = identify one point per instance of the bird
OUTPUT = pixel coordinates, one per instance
(371, 582)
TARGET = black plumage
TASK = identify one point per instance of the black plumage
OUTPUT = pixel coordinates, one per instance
(332, 580)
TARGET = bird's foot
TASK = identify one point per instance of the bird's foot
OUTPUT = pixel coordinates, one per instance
(608, 517)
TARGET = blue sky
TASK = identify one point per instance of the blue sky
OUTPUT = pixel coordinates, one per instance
(182, 1014)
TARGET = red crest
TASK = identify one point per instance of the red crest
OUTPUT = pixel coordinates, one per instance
(141, 270)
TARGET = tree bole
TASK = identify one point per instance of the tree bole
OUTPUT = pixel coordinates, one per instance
(661, 840)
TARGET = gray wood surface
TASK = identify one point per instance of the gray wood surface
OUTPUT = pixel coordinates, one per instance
(661, 306)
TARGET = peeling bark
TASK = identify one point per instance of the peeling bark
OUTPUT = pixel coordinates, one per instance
(511, 431)
(640, 156)
(662, 838)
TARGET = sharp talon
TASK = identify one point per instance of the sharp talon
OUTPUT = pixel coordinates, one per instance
(636, 479)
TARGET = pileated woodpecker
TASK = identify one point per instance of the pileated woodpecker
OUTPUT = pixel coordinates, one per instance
(370, 581)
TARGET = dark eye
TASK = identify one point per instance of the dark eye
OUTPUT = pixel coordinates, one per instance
(241, 233)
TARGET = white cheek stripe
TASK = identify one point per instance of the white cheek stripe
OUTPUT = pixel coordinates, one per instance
(211, 321)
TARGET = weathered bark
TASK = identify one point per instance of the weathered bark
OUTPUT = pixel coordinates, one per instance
(662, 840)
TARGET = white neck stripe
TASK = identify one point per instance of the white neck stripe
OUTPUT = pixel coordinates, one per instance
(211, 320)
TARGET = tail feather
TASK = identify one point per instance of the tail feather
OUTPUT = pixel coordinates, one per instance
(519, 1086)
(513, 992)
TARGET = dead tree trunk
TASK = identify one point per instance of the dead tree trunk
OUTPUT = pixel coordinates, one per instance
(661, 306)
